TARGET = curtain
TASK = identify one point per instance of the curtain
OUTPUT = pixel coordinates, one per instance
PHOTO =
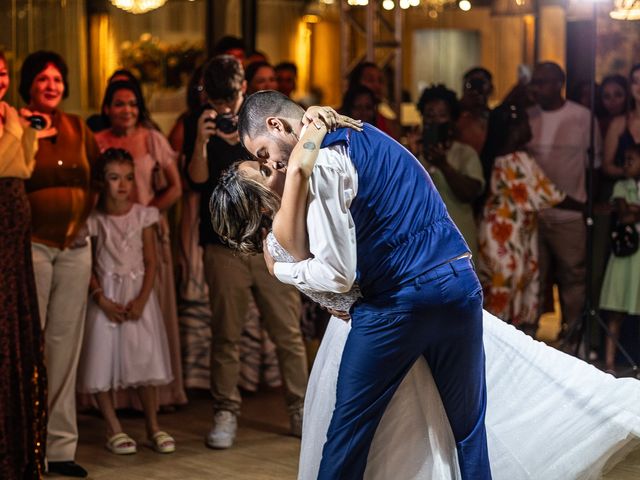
(58, 25)
(442, 56)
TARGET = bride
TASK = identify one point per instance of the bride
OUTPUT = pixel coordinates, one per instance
(549, 415)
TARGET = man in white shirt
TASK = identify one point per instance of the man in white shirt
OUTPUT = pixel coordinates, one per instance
(375, 217)
(560, 144)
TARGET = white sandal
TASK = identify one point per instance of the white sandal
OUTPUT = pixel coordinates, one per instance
(121, 444)
(162, 442)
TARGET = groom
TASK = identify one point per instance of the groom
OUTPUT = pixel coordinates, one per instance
(374, 217)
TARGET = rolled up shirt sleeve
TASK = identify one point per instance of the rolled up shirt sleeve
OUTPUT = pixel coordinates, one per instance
(332, 234)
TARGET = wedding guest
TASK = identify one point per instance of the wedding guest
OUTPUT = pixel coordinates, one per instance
(612, 101)
(624, 130)
(473, 122)
(255, 56)
(360, 103)
(99, 122)
(507, 235)
(287, 76)
(260, 76)
(230, 45)
(23, 378)
(560, 143)
(125, 343)
(60, 198)
(209, 150)
(157, 184)
(372, 77)
(621, 286)
(454, 166)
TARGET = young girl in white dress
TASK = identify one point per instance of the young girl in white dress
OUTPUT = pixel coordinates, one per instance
(550, 416)
(125, 343)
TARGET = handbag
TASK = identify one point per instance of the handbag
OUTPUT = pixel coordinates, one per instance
(158, 179)
(624, 239)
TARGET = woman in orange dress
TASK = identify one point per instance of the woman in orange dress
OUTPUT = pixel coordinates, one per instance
(508, 233)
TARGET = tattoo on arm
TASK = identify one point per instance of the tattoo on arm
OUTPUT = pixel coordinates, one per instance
(309, 146)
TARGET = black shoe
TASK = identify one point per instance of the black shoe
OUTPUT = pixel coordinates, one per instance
(68, 469)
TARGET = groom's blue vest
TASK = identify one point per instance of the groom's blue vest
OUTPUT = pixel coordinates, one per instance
(402, 226)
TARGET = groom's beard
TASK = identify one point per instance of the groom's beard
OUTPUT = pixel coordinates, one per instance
(285, 152)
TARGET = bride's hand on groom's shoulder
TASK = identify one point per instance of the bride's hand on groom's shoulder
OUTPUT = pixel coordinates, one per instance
(328, 117)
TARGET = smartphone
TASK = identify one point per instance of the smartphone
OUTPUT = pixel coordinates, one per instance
(436, 134)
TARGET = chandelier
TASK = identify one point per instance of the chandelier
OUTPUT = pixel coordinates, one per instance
(386, 4)
(138, 6)
(625, 10)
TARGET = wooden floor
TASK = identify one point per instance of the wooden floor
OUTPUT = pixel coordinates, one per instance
(263, 450)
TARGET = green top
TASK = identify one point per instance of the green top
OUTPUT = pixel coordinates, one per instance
(465, 160)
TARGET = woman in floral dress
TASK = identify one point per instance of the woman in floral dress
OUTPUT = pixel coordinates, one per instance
(508, 233)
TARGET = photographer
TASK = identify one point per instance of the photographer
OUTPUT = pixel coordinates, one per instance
(454, 167)
(211, 145)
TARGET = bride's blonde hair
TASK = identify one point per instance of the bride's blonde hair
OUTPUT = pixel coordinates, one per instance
(242, 210)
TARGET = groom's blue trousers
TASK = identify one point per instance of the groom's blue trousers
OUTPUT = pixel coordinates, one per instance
(438, 315)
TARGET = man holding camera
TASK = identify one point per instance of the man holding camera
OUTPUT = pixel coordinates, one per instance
(212, 144)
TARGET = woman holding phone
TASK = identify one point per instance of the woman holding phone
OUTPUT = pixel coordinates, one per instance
(454, 167)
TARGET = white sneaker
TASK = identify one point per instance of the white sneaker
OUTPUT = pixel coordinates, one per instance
(224, 430)
(295, 420)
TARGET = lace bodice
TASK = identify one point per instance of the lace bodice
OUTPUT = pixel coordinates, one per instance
(335, 301)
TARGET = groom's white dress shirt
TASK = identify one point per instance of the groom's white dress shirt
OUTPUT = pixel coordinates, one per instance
(332, 235)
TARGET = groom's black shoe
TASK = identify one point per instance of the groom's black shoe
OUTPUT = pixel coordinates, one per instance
(68, 469)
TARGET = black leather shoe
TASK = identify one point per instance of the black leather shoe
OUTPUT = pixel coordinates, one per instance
(68, 469)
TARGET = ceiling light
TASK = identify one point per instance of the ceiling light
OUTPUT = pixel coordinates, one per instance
(138, 6)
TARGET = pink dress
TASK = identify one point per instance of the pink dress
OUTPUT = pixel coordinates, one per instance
(132, 353)
(158, 150)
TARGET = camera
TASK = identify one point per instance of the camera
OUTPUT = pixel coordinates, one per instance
(226, 122)
(37, 122)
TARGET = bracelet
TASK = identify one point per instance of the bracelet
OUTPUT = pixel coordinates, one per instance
(93, 292)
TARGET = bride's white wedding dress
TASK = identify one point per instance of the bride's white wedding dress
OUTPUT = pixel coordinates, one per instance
(550, 416)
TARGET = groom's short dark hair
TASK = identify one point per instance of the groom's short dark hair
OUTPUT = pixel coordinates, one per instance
(257, 107)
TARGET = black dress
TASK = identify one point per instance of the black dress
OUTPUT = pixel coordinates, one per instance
(23, 383)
